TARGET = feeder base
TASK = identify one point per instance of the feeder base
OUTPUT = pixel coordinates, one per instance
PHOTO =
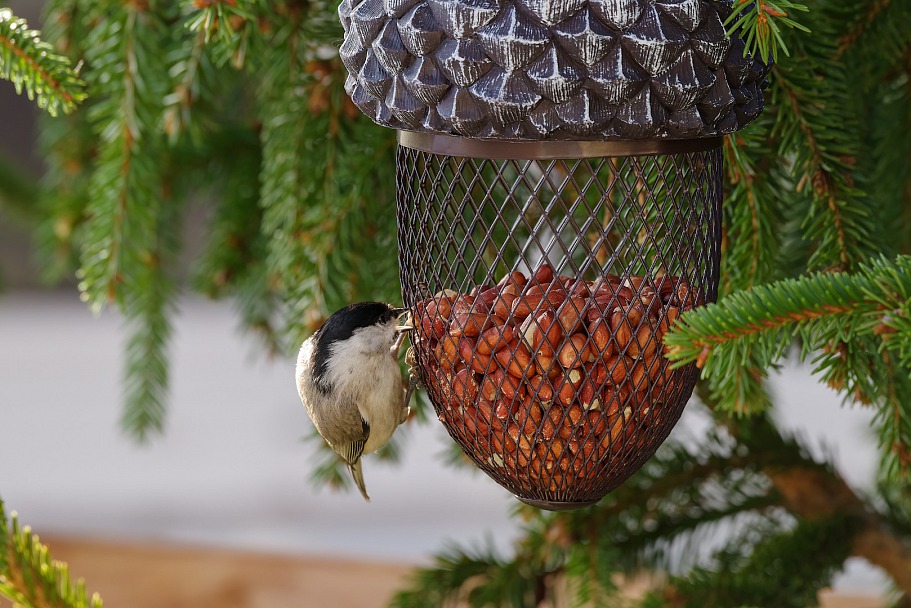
(556, 506)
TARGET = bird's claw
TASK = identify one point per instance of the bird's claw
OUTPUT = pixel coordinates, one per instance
(414, 380)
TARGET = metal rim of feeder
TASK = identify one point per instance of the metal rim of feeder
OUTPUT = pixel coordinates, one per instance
(448, 145)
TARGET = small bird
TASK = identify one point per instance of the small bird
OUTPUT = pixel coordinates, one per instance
(350, 382)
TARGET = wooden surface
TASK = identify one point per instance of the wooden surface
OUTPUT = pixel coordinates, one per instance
(163, 576)
(170, 576)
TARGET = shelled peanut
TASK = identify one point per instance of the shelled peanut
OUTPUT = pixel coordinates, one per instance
(545, 375)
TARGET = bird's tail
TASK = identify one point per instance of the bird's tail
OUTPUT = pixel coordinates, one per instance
(357, 474)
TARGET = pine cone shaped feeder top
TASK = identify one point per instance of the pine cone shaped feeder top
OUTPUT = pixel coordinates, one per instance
(559, 190)
(532, 70)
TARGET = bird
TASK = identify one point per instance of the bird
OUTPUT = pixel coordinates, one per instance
(350, 383)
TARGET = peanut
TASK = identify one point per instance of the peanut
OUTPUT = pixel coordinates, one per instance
(516, 359)
(544, 274)
(575, 352)
(494, 339)
(465, 387)
(643, 342)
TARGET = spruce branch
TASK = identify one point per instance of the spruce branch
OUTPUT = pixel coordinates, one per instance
(63, 27)
(121, 225)
(29, 577)
(230, 28)
(186, 71)
(818, 141)
(862, 24)
(683, 498)
(858, 323)
(760, 24)
(816, 549)
(820, 309)
(751, 210)
(290, 182)
(475, 577)
(889, 161)
(32, 65)
(130, 232)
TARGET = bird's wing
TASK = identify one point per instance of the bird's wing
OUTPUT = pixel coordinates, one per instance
(351, 450)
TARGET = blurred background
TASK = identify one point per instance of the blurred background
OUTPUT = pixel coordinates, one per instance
(225, 494)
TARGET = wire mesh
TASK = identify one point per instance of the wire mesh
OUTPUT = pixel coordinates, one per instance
(541, 290)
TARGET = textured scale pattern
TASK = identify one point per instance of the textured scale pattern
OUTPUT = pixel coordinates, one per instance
(550, 69)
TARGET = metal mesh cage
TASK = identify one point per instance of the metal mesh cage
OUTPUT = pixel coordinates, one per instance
(541, 290)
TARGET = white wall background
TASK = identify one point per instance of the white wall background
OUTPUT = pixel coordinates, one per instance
(232, 469)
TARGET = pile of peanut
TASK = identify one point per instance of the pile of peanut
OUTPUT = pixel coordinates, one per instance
(545, 377)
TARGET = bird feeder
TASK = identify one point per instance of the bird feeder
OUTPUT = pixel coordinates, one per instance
(558, 197)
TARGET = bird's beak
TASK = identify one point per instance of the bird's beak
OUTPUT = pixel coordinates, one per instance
(403, 312)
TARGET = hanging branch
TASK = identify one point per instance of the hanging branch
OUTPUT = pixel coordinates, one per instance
(30, 577)
(124, 234)
(819, 142)
(817, 309)
(760, 24)
(290, 189)
(751, 209)
(228, 27)
(860, 324)
(33, 66)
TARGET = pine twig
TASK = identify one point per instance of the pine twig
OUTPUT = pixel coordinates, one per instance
(760, 23)
(33, 66)
(739, 320)
(30, 577)
(850, 38)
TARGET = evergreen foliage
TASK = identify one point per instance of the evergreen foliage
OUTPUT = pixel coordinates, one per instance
(239, 105)
(33, 66)
(675, 514)
(30, 578)
(857, 328)
(762, 24)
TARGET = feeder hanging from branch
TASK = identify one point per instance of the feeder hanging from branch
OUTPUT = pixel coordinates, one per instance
(558, 194)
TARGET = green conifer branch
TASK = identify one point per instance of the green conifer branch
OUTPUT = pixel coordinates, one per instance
(861, 26)
(120, 229)
(228, 27)
(32, 65)
(291, 180)
(233, 262)
(751, 211)
(63, 27)
(858, 323)
(30, 578)
(126, 238)
(764, 574)
(889, 162)
(187, 73)
(818, 140)
(146, 371)
(678, 497)
(69, 147)
(880, 52)
(760, 24)
(769, 317)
